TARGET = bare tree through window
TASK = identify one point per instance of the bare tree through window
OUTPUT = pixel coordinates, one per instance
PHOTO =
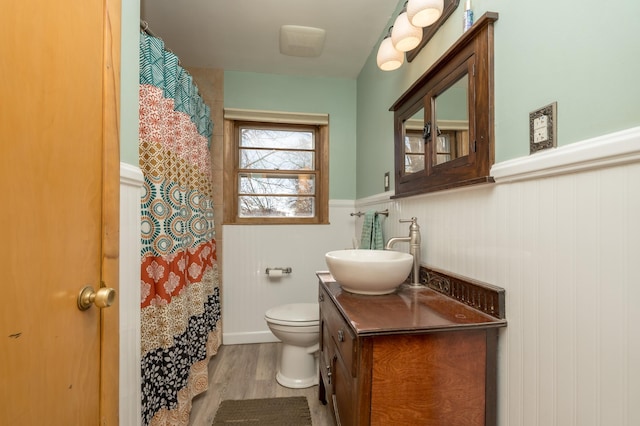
(276, 172)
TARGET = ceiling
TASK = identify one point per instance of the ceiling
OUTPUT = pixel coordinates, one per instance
(243, 35)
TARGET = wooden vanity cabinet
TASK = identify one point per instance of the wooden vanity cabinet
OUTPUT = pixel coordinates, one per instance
(380, 368)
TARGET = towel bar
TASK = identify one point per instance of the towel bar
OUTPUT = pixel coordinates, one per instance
(383, 212)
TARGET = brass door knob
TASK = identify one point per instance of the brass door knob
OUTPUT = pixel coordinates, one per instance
(103, 298)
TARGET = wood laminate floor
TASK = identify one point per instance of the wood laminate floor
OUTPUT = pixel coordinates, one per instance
(248, 372)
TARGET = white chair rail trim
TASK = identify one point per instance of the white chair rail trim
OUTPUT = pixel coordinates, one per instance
(603, 151)
(131, 175)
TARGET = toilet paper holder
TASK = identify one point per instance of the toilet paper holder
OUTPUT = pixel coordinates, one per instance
(286, 270)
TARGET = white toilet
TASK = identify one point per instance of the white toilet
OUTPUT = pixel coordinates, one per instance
(297, 327)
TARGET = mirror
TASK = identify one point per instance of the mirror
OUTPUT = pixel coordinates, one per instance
(452, 122)
(414, 143)
(444, 122)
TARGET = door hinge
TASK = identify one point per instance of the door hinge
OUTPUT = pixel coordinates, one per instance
(475, 146)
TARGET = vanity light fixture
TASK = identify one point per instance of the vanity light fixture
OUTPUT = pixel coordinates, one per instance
(413, 27)
(389, 58)
(405, 36)
(423, 13)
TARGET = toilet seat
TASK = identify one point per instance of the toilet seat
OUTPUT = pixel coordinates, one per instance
(294, 315)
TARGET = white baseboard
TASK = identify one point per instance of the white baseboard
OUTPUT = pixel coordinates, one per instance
(248, 337)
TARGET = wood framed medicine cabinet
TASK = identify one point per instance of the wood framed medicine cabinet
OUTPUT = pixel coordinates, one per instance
(443, 124)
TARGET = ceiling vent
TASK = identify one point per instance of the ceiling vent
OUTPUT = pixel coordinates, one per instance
(301, 41)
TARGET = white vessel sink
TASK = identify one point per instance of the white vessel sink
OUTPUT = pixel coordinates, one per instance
(369, 271)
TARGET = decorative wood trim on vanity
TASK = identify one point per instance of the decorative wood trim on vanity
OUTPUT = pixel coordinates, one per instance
(481, 296)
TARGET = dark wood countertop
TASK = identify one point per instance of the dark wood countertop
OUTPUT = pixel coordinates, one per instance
(407, 310)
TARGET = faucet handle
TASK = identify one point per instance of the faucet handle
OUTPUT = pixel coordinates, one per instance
(414, 224)
(413, 220)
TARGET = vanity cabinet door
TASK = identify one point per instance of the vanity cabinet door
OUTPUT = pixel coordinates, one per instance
(433, 379)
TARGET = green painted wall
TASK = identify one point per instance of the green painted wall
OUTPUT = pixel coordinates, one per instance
(584, 55)
(129, 82)
(336, 97)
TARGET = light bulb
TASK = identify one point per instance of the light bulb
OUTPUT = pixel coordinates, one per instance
(389, 58)
(423, 13)
(404, 35)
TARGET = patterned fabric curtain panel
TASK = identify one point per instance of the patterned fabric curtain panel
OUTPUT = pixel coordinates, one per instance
(179, 273)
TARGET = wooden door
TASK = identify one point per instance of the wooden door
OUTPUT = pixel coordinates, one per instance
(59, 65)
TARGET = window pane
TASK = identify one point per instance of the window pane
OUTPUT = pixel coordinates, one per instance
(442, 158)
(279, 175)
(263, 206)
(282, 139)
(414, 143)
(276, 160)
(261, 183)
(413, 163)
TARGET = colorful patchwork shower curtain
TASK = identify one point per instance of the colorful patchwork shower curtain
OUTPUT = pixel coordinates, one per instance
(179, 282)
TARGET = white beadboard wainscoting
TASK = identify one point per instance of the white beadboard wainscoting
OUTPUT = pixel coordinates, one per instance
(248, 250)
(131, 181)
(560, 232)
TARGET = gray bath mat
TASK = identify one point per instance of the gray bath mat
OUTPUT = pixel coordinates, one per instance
(289, 411)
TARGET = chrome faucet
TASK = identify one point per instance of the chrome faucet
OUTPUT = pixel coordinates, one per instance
(414, 248)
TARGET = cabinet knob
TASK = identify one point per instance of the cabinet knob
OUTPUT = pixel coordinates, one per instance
(321, 298)
(340, 336)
